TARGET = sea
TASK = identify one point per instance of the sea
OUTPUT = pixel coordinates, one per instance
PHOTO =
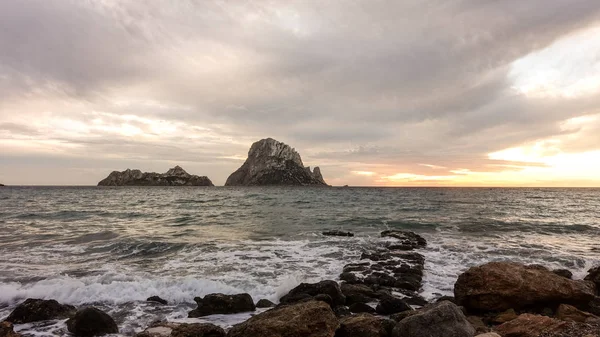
(113, 247)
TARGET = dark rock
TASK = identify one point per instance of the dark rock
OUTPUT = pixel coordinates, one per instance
(416, 300)
(91, 322)
(505, 316)
(342, 311)
(305, 290)
(358, 293)
(6, 330)
(213, 304)
(173, 177)
(478, 324)
(446, 298)
(274, 163)
(306, 319)
(406, 238)
(34, 310)
(594, 306)
(183, 330)
(390, 305)
(593, 275)
(264, 303)
(443, 319)
(157, 300)
(402, 315)
(336, 232)
(350, 278)
(499, 286)
(564, 273)
(365, 325)
(361, 307)
(528, 325)
(569, 313)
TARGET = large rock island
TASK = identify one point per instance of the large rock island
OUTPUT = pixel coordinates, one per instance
(173, 177)
(274, 163)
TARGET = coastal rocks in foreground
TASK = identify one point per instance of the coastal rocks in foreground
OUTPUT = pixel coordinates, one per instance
(305, 319)
(35, 310)
(311, 290)
(182, 330)
(274, 163)
(173, 177)
(91, 322)
(499, 286)
(213, 304)
(442, 319)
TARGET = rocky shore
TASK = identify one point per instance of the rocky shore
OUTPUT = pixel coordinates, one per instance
(176, 176)
(378, 296)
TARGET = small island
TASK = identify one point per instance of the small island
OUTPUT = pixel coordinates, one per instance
(176, 176)
(271, 162)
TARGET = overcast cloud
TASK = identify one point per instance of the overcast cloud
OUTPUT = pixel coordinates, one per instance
(374, 92)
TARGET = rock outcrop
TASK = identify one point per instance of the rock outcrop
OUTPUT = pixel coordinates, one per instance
(34, 310)
(213, 304)
(91, 322)
(274, 163)
(312, 290)
(500, 286)
(443, 319)
(528, 325)
(173, 177)
(306, 319)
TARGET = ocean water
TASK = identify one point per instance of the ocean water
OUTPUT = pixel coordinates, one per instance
(114, 247)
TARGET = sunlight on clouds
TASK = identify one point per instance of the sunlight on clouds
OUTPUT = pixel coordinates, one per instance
(363, 173)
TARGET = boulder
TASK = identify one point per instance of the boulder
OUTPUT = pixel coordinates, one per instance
(505, 316)
(478, 324)
(274, 163)
(593, 275)
(443, 319)
(564, 273)
(308, 290)
(341, 311)
(389, 304)
(6, 330)
(213, 304)
(157, 300)
(358, 293)
(365, 325)
(33, 310)
(402, 315)
(500, 286)
(91, 322)
(306, 319)
(569, 313)
(408, 239)
(528, 325)
(336, 232)
(264, 303)
(361, 307)
(173, 177)
(183, 330)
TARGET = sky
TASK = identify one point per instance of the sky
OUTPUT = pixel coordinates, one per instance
(376, 93)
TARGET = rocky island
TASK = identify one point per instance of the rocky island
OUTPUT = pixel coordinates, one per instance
(173, 177)
(271, 162)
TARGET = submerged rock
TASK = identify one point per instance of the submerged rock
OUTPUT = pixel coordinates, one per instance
(34, 310)
(213, 304)
(91, 322)
(306, 319)
(310, 290)
(157, 300)
(274, 163)
(173, 177)
(336, 232)
(500, 286)
(443, 319)
(365, 325)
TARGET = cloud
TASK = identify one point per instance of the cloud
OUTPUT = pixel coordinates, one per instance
(397, 88)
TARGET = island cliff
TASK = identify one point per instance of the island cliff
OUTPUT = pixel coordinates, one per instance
(173, 177)
(274, 163)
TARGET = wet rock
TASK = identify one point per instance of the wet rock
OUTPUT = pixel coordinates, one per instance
(360, 308)
(34, 310)
(157, 300)
(528, 325)
(183, 330)
(499, 286)
(350, 278)
(416, 300)
(264, 303)
(358, 293)
(324, 298)
(222, 304)
(306, 319)
(91, 322)
(569, 313)
(564, 273)
(342, 311)
(443, 319)
(593, 275)
(306, 290)
(446, 298)
(274, 163)
(7, 330)
(338, 233)
(173, 177)
(406, 238)
(365, 325)
(390, 305)
(402, 315)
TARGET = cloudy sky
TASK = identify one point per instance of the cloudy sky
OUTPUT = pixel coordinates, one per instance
(403, 92)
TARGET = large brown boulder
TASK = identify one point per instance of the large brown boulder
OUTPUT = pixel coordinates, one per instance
(365, 325)
(569, 313)
(500, 286)
(305, 319)
(443, 319)
(34, 310)
(213, 304)
(528, 325)
(89, 322)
